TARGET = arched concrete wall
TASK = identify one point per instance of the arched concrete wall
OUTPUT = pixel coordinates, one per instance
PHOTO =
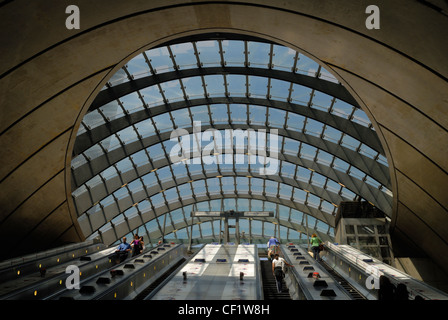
(50, 75)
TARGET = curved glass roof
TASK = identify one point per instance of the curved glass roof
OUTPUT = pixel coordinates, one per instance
(196, 124)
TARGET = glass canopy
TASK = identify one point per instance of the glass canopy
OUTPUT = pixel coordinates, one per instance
(223, 95)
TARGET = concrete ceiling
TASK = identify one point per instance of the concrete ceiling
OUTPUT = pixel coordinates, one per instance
(50, 75)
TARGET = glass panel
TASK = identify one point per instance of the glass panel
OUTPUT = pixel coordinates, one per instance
(321, 101)
(288, 169)
(93, 152)
(257, 115)
(214, 85)
(236, 85)
(172, 90)
(182, 118)
(306, 66)
(299, 195)
(111, 111)
(184, 55)
(119, 77)
(163, 122)
(258, 54)
(342, 109)
(93, 119)
(276, 117)
(138, 67)
(258, 86)
(332, 134)
(279, 89)
(350, 142)
(127, 135)
(308, 152)
(283, 58)
(300, 94)
(314, 128)
(145, 128)
(295, 121)
(238, 113)
(318, 180)
(219, 113)
(291, 146)
(209, 53)
(193, 87)
(160, 59)
(152, 95)
(233, 53)
(324, 158)
(360, 117)
(200, 114)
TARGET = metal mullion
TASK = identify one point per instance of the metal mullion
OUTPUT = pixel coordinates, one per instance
(229, 117)
(306, 198)
(235, 185)
(310, 102)
(324, 127)
(290, 91)
(119, 175)
(162, 93)
(158, 224)
(305, 121)
(204, 86)
(149, 160)
(140, 96)
(333, 101)
(221, 53)
(159, 182)
(216, 155)
(148, 62)
(196, 53)
(221, 192)
(139, 136)
(206, 188)
(277, 218)
(278, 188)
(105, 153)
(226, 93)
(246, 54)
(171, 222)
(106, 119)
(182, 87)
(296, 59)
(170, 167)
(130, 76)
(268, 94)
(247, 86)
(271, 55)
(172, 56)
(319, 68)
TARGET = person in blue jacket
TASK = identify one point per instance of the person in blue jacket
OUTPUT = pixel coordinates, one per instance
(122, 251)
(272, 246)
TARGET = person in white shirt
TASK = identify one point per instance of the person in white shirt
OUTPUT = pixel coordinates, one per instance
(278, 264)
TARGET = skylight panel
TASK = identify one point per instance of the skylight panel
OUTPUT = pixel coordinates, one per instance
(160, 59)
(138, 67)
(209, 53)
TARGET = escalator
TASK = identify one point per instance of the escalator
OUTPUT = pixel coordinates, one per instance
(148, 290)
(269, 283)
(351, 290)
